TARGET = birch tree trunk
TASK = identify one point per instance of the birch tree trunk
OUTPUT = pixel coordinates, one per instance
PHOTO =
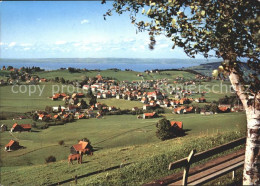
(251, 174)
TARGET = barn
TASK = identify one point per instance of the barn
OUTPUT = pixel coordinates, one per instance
(149, 115)
(20, 128)
(178, 124)
(3, 128)
(81, 147)
(12, 145)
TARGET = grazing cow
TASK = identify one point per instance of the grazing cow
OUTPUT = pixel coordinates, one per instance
(75, 157)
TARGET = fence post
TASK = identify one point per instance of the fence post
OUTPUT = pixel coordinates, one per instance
(233, 174)
(186, 169)
(76, 179)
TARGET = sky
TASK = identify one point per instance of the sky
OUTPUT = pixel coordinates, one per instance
(66, 29)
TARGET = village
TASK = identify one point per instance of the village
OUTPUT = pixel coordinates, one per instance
(103, 99)
(129, 93)
(157, 96)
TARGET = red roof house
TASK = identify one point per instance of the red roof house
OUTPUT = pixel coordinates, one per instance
(12, 145)
(178, 124)
(149, 115)
(82, 147)
(20, 128)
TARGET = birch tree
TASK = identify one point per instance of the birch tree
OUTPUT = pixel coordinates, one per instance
(229, 28)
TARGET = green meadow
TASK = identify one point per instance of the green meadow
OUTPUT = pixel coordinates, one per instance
(117, 75)
(118, 140)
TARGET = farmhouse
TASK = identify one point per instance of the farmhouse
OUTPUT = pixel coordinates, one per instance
(179, 110)
(223, 109)
(135, 109)
(237, 108)
(189, 110)
(56, 117)
(43, 116)
(200, 100)
(147, 107)
(20, 128)
(12, 145)
(85, 87)
(3, 128)
(149, 115)
(58, 109)
(81, 147)
(178, 124)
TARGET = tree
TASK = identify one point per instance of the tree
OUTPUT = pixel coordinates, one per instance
(93, 100)
(50, 159)
(166, 131)
(231, 30)
(62, 80)
(56, 79)
(10, 67)
(35, 117)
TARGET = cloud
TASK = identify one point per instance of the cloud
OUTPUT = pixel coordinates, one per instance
(25, 44)
(12, 44)
(60, 42)
(1, 43)
(27, 48)
(84, 21)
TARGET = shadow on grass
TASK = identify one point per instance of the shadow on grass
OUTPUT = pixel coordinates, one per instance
(35, 131)
(97, 149)
(89, 174)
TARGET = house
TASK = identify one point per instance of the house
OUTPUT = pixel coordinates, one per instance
(99, 96)
(135, 109)
(144, 100)
(178, 124)
(20, 128)
(189, 110)
(149, 115)
(12, 145)
(80, 116)
(237, 108)
(57, 117)
(112, 108)
(200, 100)
(223, 109)
(203, 111)
(54, 98)
(57, 109)
(179, 110)
(82, 147)
(147, 107)
(85, 87)
(79, 95)
(184, 101)
(43, 117)
(3, 128)
(43, 80)
(225, 105)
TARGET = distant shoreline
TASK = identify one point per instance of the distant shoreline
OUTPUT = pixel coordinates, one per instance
(135, 64)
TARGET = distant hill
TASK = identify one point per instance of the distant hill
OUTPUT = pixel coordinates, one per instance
(206, 69)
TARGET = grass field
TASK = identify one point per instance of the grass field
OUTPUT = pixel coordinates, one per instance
(110, 132)
(118, 75)
(13, 100)
(117, 139)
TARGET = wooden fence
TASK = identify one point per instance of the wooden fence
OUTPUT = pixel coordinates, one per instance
(209, 171)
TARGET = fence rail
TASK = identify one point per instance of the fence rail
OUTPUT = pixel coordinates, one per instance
(211, 170)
